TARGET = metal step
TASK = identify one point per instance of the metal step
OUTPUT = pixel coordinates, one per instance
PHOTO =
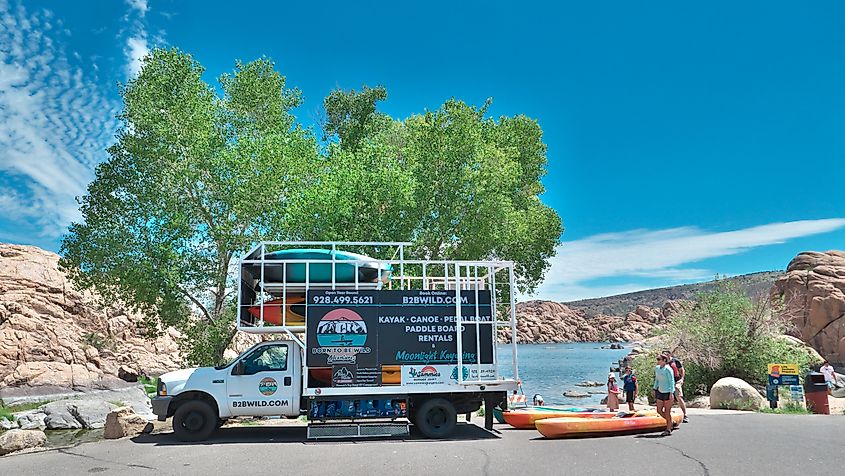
(318, 431)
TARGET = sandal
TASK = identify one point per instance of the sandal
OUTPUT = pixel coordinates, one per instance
(666, 433)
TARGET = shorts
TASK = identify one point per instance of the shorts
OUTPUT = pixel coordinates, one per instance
(830, 384)
(629, 396)
(662, 395)
(679, 391)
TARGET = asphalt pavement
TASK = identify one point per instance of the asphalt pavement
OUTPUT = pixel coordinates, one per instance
(711, 444)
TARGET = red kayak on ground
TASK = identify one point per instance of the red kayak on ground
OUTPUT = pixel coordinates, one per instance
(524, 418)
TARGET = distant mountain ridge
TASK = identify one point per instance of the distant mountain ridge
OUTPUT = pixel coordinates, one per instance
(753, 284)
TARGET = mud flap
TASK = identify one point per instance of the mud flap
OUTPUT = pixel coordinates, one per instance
(490, 401)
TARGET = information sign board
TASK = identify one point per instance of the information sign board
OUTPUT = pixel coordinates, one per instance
(367, 329)
(776, 370)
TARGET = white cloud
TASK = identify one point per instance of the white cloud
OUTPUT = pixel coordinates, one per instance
(139, 5)
(658, 254)
(136, 49)
(54, 124)
(137, 41)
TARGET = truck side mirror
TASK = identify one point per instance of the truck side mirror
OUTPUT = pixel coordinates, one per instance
(239, 368)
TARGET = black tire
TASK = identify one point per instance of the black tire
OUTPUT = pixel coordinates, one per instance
(194, 420)
(436, 418)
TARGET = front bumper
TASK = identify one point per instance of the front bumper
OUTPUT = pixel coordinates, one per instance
(161, 406)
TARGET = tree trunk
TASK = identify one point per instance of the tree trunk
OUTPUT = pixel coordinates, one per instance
(221, 347)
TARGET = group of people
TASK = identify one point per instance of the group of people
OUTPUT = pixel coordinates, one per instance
(668, 388)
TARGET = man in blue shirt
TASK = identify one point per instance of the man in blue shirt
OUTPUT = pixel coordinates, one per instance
(679, 372)
(630, 386)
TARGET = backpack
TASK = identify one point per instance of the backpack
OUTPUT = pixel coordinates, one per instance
(675, 370)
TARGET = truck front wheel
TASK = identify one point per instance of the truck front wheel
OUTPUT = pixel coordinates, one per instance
(194, 420)
(436, 418)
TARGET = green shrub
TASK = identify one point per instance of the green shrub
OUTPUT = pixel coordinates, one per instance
(95, 340)
(643, 366)
(726, 334)
(791, 408)
(204, 342)
(150, 385)
(739, 404)
(7, 411)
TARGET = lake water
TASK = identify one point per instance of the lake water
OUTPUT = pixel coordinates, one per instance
(551, 369)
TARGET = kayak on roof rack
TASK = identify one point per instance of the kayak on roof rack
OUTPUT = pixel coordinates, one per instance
(345, 264)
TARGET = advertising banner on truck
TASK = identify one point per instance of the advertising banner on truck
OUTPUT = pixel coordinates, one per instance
(407, 327)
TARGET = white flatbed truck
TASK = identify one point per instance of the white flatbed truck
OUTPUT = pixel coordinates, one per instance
(369, 345)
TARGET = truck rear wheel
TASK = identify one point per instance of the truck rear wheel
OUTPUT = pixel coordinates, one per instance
(194, 420)
(436, 418)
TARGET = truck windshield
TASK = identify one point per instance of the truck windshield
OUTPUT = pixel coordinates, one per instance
(223, 366)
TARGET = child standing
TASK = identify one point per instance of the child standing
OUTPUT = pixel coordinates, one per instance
(630, 386)
(612, 393)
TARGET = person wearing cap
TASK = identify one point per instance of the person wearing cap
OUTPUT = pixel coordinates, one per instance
(612, 393)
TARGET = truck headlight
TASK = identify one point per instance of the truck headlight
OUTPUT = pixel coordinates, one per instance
(162, 389)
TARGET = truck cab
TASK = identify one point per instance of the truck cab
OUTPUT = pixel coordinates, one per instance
(265, 380)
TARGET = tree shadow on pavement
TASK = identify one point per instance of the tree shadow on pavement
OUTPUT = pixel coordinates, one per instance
(297, 435)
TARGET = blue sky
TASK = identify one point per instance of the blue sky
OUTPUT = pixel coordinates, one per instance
(684, 140)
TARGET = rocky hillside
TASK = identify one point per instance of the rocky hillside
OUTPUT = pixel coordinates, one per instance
(547, 321)
(53, 338)
(753, 284)
(813, 290)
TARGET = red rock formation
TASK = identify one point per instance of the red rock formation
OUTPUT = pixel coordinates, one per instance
(813, 291)
(54, 338)
(547, 321)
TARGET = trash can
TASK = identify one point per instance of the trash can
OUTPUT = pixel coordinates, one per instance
(815, 391)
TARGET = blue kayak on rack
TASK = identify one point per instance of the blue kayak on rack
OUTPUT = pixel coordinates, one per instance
(345, 265)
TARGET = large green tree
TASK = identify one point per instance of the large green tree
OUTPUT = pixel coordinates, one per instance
(199, 174)
(194, 178)
(469, 183)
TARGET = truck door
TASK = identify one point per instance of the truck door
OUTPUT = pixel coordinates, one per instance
(261, 382)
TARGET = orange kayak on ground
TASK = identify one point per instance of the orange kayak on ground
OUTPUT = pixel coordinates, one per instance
(574, 427)
(525, 418)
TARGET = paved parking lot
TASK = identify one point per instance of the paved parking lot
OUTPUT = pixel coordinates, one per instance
(712, 444)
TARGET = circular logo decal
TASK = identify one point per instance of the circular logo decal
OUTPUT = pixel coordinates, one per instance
(341, 328)
(267, 386)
